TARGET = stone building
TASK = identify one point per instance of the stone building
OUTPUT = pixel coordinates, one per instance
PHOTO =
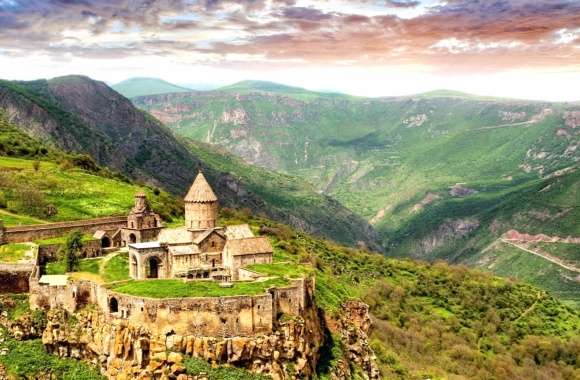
(199, 249)
(142, 223)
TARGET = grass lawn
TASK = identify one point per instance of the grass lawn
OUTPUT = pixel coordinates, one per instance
(285, 270)
(13, 220)
(76, 194)
(85, 265)
(116, 269)
(11, 253)
(179, 288)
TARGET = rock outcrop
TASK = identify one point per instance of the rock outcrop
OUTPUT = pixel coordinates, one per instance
(126, 351)
(353, 326)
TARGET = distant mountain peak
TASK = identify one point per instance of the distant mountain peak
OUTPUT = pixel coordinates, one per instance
(143, 86)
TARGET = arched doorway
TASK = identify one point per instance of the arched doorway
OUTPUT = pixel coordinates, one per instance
(105, 242)
(113, 305)
(132, 239)
(153, 265)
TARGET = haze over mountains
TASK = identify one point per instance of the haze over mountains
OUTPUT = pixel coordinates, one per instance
(439, 175)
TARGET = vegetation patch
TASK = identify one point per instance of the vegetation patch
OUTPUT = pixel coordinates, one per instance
(195, 366)
(116, 268)
(172, 288)
(11, 253)
(85, 265)
(29, 360)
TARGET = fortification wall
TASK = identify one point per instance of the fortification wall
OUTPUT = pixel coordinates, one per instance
(197, 316)
(51, 230)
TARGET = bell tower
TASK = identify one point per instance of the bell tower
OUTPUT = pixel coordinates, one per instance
(142, 223)
(201, 205)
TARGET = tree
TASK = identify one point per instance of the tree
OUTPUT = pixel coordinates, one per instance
(71, 250)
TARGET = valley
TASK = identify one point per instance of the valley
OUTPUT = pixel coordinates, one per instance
(439, 175)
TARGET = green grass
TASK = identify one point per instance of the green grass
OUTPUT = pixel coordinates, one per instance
(422, 312)
(195, 366)
(178, 288)
(13, 220)
(11, 253)
(76, 194)
(117, 268)
(85, 265)
(565, 251)
(29, 360)
(61, 240)
(283, 269)
(509, 261)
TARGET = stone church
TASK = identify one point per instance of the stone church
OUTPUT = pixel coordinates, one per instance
(199, 249)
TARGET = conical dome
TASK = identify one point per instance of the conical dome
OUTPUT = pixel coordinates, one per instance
(200, 191)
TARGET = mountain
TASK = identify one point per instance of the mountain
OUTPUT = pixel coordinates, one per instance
(133, 87)
(77, 114)
(440, 175)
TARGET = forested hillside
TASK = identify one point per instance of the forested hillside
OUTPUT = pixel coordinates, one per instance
(440, 175)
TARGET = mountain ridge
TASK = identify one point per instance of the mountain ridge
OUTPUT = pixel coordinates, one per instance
(78, 114)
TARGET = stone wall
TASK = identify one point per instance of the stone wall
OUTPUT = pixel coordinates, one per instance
(14, 277)
(51, 230)
(199, 316)
(125, 350)
(49, 252)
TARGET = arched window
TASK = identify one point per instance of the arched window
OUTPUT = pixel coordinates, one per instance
(113, 305)
(132, 238)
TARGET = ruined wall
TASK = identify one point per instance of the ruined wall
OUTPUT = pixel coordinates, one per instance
(14, 277)
(51, 230)
(239, 261)
(49, 252)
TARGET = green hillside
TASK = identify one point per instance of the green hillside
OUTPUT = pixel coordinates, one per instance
(134, 87)
(78, 115)
(440, 175)
(433, 320)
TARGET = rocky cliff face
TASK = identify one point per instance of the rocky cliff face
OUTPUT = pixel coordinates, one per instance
(353, 326)
(125, 351)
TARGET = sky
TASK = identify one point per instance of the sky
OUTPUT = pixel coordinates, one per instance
(512, 48)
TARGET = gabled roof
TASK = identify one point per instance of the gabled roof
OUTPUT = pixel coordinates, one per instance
(239, 231)
(200, 191)
(201, 237)
(145, 245)
(248, 246)
(178, 235)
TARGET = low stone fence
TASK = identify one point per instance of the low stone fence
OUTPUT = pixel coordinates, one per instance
(51, 230)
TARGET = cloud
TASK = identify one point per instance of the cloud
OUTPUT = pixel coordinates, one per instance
(449, 35)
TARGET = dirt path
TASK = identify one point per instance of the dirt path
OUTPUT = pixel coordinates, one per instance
(529, 309)
(107, 258)
(550, 258)
(520, 124)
